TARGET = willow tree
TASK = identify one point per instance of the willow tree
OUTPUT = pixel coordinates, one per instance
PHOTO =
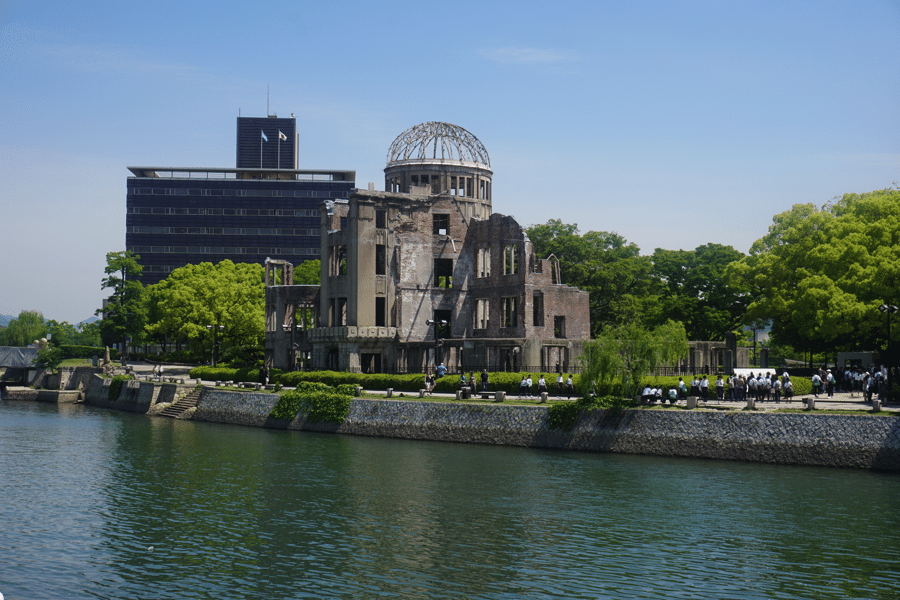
(629, 353)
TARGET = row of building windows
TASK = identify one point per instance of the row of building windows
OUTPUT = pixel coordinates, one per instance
(221, 231)
(166, 191)
(223, 250)
(509, 314)
(227, 212)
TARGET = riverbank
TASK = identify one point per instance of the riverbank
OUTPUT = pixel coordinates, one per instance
(814, 438)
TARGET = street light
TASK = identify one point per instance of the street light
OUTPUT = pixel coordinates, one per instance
(215, 329)
(889, 309)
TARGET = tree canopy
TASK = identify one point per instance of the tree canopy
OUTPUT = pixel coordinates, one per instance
(694, 290)
(821, 273)
(124, 315)
(604, 264)
(687, 286)
(24, 329)
(193, 297)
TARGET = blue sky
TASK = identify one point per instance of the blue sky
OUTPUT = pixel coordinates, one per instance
(675, 124)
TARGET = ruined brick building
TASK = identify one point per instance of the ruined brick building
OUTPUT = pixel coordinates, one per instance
(423, 273)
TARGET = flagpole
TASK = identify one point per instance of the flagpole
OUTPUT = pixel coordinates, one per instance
(278, 166)
(260, 148)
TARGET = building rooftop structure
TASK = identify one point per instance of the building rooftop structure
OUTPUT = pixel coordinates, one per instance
(186, 215)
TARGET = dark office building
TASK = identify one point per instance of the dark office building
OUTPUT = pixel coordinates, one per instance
(266, 143)
(180, 216)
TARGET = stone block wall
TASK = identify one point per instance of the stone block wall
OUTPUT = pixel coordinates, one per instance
(820, 439)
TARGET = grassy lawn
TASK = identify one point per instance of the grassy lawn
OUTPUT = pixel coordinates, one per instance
(76, 362)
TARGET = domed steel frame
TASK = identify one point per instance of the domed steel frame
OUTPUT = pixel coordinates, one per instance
(436, 141)
(441, 159)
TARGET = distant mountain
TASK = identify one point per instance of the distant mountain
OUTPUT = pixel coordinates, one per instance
(89, 320)
(5, 319)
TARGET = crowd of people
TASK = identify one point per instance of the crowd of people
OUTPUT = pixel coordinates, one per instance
(737, 388)
(761, 387)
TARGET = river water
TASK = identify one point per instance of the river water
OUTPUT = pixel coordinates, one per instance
(102, 504)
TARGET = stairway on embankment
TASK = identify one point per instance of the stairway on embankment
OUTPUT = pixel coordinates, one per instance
(180, 406)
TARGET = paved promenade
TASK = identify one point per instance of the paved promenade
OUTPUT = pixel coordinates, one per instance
(840, 401)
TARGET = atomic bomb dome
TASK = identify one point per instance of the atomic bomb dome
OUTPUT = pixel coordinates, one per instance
(434, 141)
(442, 158)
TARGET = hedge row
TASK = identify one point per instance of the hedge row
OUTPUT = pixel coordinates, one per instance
(87, 352)
(248, 374)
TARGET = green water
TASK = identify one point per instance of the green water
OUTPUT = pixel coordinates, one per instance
(234, 512)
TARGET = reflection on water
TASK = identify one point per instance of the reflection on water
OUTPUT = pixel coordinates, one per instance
(250, 513)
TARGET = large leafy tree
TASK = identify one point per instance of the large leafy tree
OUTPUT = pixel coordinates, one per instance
(208, 304)
(695, 291)
(24, 329)
(124, 315)
(821, 273)
(309, 272)
(604, 264)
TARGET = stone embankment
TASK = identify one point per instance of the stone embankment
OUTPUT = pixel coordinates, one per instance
(818, 438)
(809, 438)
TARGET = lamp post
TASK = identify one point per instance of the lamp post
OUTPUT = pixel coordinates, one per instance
(889, 309)
(438, 342)
(215, 329)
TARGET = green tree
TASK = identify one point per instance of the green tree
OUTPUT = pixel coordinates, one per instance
(604, 264)
(50, 358)
(821, 273)
(629, 353)
(24, 329)
(695, 290)
(61, 333)
(197, 302)
(124, 315)
(89, 335)
(309, 272)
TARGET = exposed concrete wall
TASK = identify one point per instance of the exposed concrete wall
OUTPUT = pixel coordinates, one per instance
(135, 396)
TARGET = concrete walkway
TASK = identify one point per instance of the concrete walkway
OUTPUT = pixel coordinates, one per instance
(840, 401)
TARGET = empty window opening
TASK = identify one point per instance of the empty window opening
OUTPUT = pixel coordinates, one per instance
(380, 312)
(538, 309)
(380, 259)
(341, 312)
(559, 327)
(441, 224)
(443, 272)
(510, 310)
(483, 262)
(482, 313)
(338, 263)
(444, 330)
(510, 260)
(370, 362)
(380, 219)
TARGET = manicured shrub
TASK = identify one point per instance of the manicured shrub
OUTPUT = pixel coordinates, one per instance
(564, 415)
(319, 404)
